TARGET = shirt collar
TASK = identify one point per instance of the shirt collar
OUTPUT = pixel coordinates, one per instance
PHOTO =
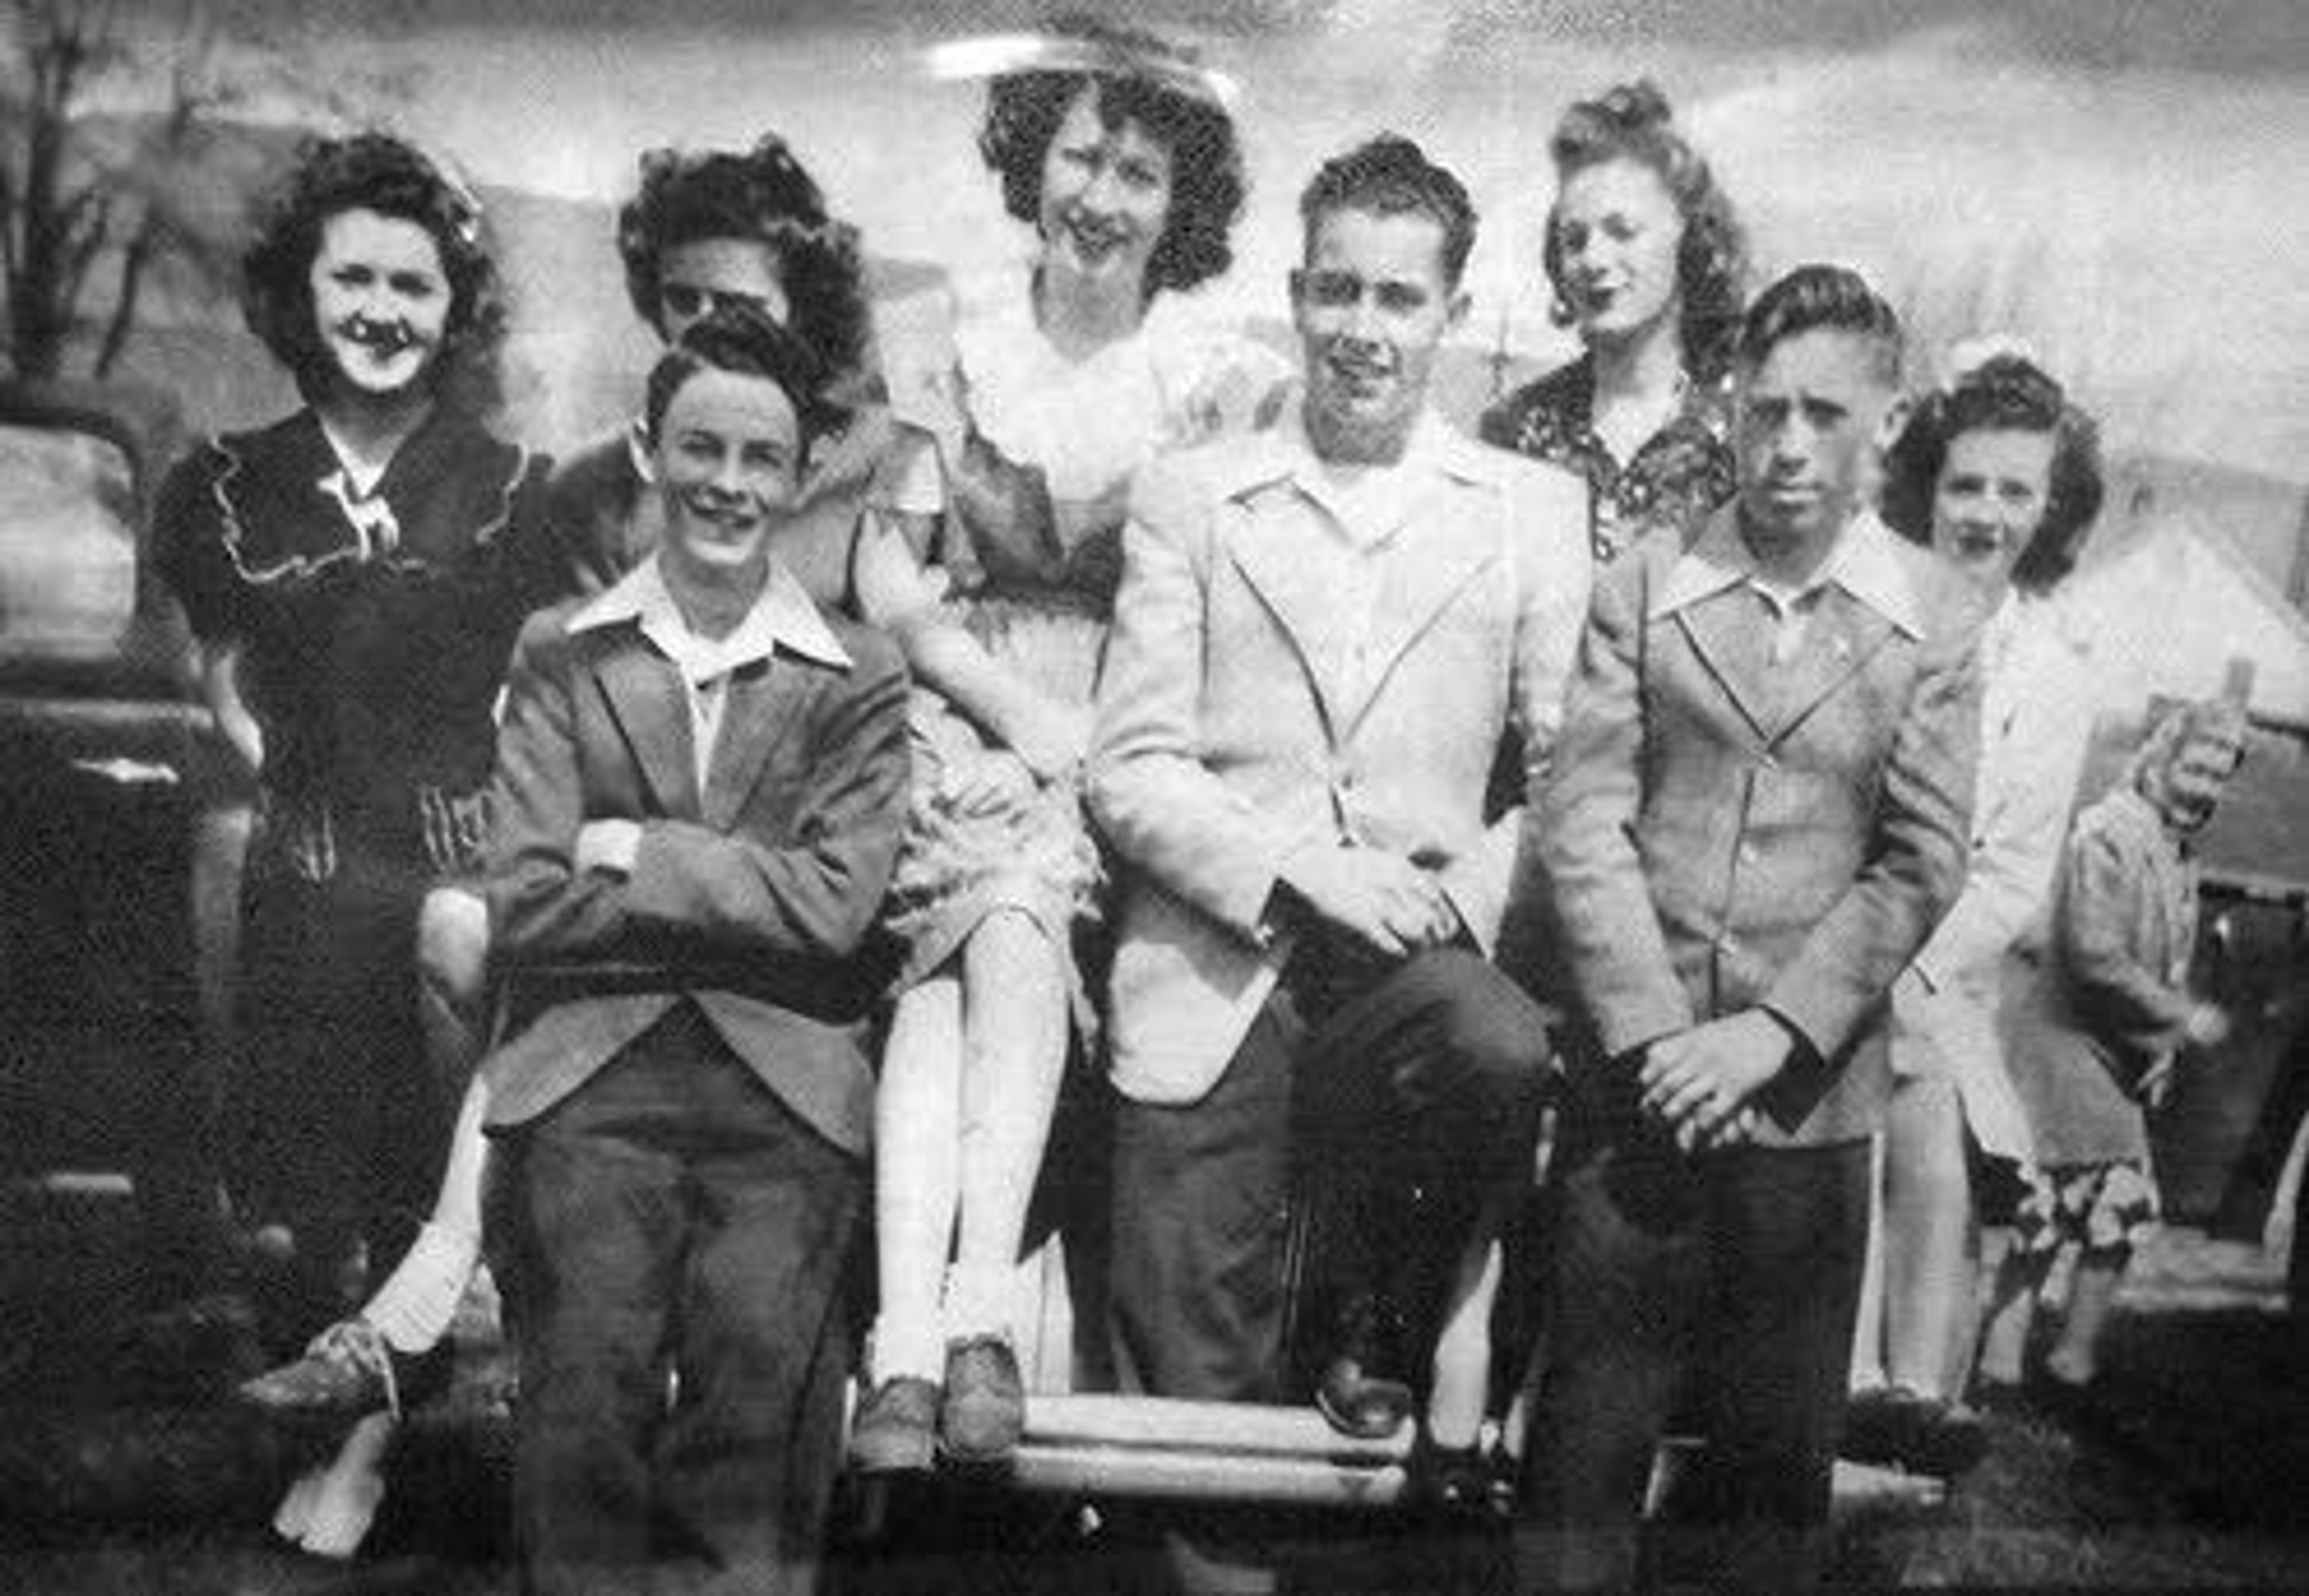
(783, 617)
(1866, 563)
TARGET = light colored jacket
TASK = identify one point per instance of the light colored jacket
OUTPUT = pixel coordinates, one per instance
(1251, 705)
(1722, 832)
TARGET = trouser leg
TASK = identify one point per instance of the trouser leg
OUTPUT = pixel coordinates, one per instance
(591, 1232)
(744, 1466)
(1419, 1098)
(1200, 1209)
(1624, 1316)
(1787, 1234)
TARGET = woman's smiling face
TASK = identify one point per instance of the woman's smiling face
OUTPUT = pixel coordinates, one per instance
(727, 460)
(1106, 195)
(381, 300)
(1988, 501)
(1616, 235)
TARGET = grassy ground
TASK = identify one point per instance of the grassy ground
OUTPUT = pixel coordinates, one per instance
(121, 1474)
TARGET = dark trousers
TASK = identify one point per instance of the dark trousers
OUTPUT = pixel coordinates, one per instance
(1433, 1073)
(1740, 1268)
(677, 1242)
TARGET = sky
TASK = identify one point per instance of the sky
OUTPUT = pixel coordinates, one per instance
(2120, 184)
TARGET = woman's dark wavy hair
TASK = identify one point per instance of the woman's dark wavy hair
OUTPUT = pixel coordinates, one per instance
(2005, 393)
(742, 339)
(1634, 122)
(374, 172)
(764, 194)
(1023, 110)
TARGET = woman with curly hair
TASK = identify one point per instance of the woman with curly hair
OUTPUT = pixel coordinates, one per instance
(355, 574)
(2000, 473)
(1647, 264)
(706, 232)
(994, 559)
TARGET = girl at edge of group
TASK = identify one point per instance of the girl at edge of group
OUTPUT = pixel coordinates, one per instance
(705, 230)
(2095, 1030)
(355, 575)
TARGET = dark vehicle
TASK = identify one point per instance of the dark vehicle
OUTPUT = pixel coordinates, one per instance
(120, 827)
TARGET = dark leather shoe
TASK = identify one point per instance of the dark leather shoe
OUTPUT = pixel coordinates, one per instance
(1894, 1426)
(896, 1429)
(1950, 1443)
(1880, 1424)
(985, 1410)
(1458, 1484)
(1360, 1393)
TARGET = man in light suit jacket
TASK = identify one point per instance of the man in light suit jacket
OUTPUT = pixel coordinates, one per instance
(1323, 633)
(1757, 814)
(704, 782)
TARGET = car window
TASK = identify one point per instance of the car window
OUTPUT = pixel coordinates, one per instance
(68, 539)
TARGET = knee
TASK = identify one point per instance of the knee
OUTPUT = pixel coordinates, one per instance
(1497, 1036)
(453, 946)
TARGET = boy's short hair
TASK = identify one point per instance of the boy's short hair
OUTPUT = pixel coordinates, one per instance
(1391, 176)
(739, 339)
(1815, 298)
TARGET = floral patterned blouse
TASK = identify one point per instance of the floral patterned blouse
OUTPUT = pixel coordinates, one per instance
(1680, 475)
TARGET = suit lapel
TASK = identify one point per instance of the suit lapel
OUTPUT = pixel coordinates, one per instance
(1289, 560)
(756, 717)
(645, 697)
(1843, 635)
(1727, 636)
(1425, 567)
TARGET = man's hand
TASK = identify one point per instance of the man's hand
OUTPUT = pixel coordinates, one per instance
(1381, 900)
(608, 845)
(1699, 1082)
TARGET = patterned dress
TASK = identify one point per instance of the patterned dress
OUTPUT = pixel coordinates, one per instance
(2108, 1002)
(1680, 475)
(375, 630)
(1034, 581)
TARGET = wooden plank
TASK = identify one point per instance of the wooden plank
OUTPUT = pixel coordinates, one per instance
(1161, 1424)
(1204, 1476)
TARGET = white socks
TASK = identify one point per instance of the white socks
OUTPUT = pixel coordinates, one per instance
(328, 1510)
(976, 1303)
(415, 1305)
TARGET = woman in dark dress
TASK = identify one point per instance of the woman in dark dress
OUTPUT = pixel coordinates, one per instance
(356, 573)
(1647, 264)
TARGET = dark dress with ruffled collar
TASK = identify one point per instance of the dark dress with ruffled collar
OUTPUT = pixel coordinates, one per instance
(374, 631)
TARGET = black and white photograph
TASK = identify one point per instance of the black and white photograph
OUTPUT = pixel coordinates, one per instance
(1209, 797)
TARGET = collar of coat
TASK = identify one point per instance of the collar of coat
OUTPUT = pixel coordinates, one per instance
(1283, 454)
(783, 617)
(1868, 563)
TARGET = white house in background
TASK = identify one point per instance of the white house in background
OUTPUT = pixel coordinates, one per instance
(2167, 604)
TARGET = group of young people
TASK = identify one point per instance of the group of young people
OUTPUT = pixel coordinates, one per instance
(715, 847)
